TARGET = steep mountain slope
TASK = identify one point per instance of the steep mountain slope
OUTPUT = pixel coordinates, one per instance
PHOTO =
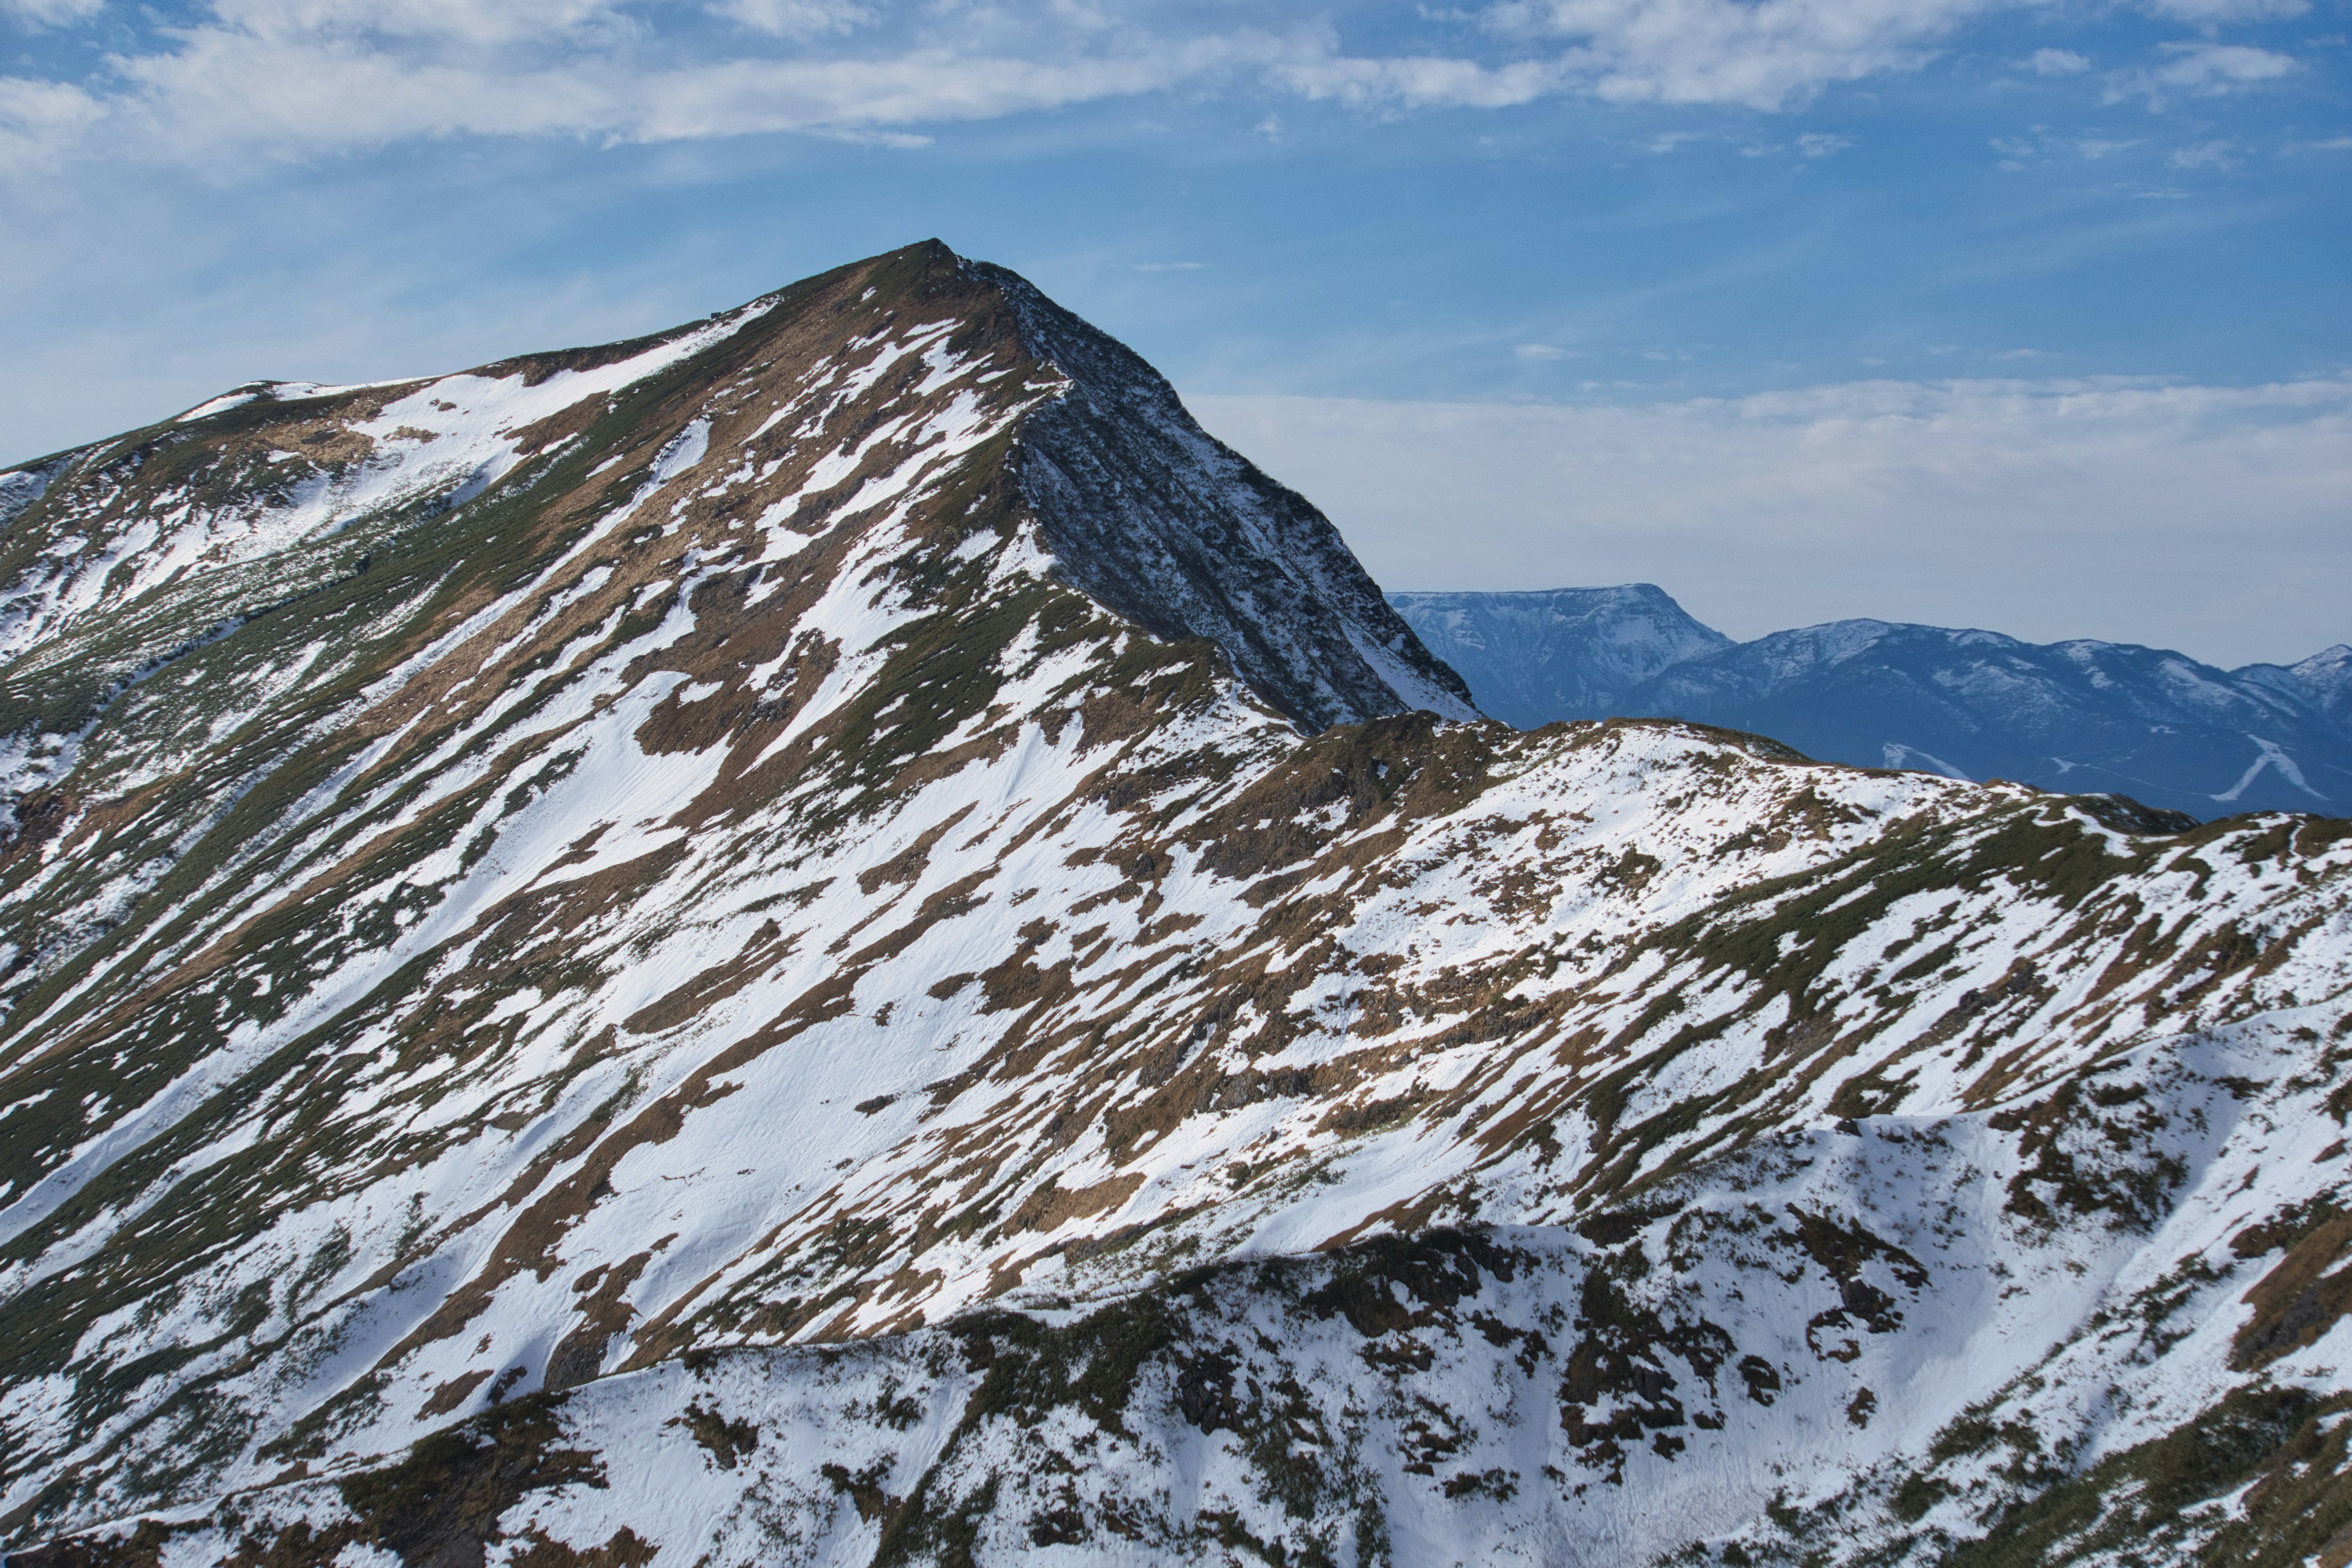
(720, 950)
(2083, 716)
(2324, 681)
(1564, 653)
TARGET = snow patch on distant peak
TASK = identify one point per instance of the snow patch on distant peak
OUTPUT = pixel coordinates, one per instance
(2270, 756)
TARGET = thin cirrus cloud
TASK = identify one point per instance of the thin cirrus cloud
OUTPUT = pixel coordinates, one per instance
(296, 78)
(2057, 62)
(2203, 70)
(797, 18)
(2214, 11)
(48, 13)
(1764, 55)
(227, 86)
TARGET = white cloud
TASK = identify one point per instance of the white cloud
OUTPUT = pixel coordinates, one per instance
(2217, 11)
(2017, 151)
(49, 13)
(1540, 353)
(2204, 70)
(300, 79)
(39, 118)
(2205, 155)
(469, 23)
(2057, 62)
(317, 92)
(2202, 517)
(1422, 81)
(795, 19)
(1759, 54)
(295, 79)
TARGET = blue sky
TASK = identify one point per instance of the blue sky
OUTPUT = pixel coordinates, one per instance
(2025, 315)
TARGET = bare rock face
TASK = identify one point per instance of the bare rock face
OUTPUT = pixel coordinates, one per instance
(830, 937)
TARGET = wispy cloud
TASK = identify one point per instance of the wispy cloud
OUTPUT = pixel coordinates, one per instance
(2204, 70)
(2218, 10)
(2057, 62)
(2222, 154)
(796, 18)
(39, 119)
(2016, 151)
(309, 77)
(304, 79)
(48, 13)
(1760, 54)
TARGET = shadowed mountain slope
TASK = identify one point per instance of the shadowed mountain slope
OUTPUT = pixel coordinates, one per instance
(827, 938)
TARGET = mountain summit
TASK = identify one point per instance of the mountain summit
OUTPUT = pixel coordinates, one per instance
(829, 937)
(1533, 658)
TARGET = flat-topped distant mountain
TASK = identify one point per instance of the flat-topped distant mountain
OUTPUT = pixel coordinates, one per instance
(1567, 652)
(2081, 716)
(832, 938)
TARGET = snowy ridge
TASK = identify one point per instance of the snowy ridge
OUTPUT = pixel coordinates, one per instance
(2081, 716)
(361, 452)
(2323, 680)
(719, 971)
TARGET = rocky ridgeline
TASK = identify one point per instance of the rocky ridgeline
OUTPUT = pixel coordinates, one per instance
(833, 937)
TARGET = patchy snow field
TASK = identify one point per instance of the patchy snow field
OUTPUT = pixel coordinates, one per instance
(842, 940)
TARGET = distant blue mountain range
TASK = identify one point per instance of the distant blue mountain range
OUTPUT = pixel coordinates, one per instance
(2083, 717)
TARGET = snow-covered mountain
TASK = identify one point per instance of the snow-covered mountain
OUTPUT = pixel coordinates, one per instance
(800, 942)
(2082, 716)
(1562, 653)
(2324, 681)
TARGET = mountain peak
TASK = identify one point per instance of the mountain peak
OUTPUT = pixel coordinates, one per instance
(538, 904)
(1155, 517)
(1136, 505)
(1538, 654)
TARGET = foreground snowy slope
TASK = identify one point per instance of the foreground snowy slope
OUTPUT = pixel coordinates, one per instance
(845, 941)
